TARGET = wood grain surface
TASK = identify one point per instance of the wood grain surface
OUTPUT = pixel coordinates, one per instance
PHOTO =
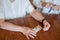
(52, 34)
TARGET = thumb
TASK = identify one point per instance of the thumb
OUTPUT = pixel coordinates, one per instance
(46, 27)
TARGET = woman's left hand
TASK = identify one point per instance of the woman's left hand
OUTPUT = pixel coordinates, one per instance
(46, 25)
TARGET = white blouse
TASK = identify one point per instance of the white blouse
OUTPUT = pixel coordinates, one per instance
(16, 9)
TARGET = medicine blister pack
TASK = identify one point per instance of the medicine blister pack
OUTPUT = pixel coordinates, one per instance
(37, 28)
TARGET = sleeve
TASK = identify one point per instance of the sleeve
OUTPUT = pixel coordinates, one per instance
(49, 1)
(1, 10)
(29, 7)
(37, 3)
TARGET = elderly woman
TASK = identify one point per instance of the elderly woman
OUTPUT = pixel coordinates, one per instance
(11, 9)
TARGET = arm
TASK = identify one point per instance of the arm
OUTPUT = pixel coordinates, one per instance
(38, 16)
(9, 26)
(28, 32)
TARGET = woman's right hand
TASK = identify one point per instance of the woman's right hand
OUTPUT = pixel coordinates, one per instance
(28, 32)
(48, 5)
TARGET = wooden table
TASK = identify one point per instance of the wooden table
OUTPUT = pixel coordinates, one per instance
(52, 34)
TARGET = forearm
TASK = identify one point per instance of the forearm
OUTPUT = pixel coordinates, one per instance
(37, 15)
(10, 27)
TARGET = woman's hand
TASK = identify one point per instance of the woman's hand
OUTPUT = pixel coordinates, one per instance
(56, 8)
(28, 32)
(46, 25)
(48, 5)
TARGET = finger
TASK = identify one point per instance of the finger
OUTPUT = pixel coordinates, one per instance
(45, 25)
(31, 36)
(46, 28)
(33, 31)
(27, 37)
